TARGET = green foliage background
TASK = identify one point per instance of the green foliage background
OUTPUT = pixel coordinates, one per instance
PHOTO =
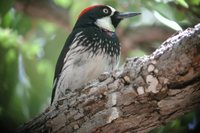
(29, 49)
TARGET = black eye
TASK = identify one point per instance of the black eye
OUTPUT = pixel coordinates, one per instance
(105, 10)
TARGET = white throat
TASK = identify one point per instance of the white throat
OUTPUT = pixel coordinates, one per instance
(105, 23)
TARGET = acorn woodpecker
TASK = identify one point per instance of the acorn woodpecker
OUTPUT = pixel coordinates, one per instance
(91, 49)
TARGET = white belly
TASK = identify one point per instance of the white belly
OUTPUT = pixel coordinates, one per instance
(81, 68)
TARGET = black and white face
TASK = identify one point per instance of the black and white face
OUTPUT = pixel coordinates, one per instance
(103, 16)
(106, 19)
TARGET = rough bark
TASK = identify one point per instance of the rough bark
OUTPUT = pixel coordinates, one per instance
(146, 93)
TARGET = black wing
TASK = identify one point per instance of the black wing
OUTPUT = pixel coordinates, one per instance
(60, 62)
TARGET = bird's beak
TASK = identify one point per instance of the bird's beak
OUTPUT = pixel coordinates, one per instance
(122, 15)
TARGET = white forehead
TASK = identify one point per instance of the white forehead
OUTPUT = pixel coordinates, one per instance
(112, 9)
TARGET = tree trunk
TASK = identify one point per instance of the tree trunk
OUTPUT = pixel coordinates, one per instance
(146, 93)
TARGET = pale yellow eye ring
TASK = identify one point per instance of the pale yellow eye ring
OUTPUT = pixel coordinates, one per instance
(105, 10)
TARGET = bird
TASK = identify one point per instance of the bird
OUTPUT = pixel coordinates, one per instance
(91, 49)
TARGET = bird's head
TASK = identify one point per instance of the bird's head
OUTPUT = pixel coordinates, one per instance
(103, 16)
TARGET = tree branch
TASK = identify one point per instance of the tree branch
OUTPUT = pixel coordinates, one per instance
(146, 93)
(44, 9)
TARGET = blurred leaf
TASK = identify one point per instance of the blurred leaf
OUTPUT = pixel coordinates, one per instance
(7, 19)
(175, 124)
(111, 2)
(48, 28)
(10, 56)
(17, 21)
(194, 2)
(183, 3)
(9, 38)
(136, 52)
(42, 67)
(165, 10)
(22, 23)
(5, 5)
(167, 22)
(63, 3)
(30, 50)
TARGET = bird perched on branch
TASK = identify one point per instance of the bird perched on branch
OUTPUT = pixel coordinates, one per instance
(91, 49)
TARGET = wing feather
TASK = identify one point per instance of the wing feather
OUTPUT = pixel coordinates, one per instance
(61, 60)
